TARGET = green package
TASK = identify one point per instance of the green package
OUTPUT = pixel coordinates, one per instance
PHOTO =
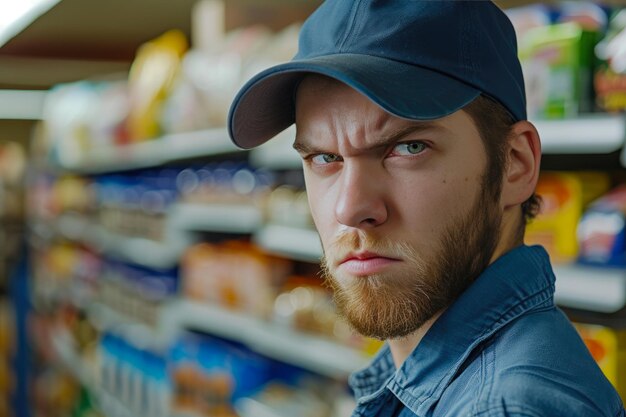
(558, 63)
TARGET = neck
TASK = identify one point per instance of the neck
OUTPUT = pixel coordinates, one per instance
(511, 233)
(402, 347)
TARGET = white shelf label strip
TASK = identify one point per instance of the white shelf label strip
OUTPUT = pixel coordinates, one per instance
(594, 289)
(155, 152)
(302, 243)
(592, 135)
(216, 218)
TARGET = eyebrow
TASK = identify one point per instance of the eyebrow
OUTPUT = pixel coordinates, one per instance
(384, 141)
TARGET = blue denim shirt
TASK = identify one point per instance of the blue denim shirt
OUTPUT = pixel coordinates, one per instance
(501, 349)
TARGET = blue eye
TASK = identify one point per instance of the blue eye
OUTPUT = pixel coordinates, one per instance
(325, 158)
(409, 148)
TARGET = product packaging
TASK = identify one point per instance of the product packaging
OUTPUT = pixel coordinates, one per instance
(225, 183)
(557, 62)
(608, 348)
(526, 18)
(563, 199)
(305, 305)
(610, 76)
(7, 349)
(288, 206)
(151, 78)
(235, 275)
(602, 231)
(80, 117)
(137, 292)
(137, 378)
(209, 374)
(588, 15)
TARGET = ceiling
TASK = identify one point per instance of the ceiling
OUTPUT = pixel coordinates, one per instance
(78, 39)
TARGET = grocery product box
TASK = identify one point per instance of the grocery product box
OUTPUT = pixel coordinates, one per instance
(608, 348)
(610, 75)
(602, 231)
(557, 62)
(564, 196)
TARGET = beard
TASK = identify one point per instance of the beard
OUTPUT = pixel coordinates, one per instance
(394, 305)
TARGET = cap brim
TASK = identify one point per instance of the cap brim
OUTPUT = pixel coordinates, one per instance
(265, 105)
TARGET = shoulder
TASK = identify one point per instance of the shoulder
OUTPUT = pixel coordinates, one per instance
(539, 367)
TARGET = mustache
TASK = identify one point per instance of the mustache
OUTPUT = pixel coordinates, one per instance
(358, 241)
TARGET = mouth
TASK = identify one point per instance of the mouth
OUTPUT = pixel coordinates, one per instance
(366, 263)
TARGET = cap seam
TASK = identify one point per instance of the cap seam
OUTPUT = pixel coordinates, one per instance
(351, 24)
(473, 42)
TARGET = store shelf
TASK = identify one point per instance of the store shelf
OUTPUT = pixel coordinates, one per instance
(596, 289)
(73, 363)
(139, 251)
(278, 153)
(111, 406)
(105, 319)
(226, 218)
(275, 154)
(153, 153)
(298, 244)
(597, 134)
(306, 351)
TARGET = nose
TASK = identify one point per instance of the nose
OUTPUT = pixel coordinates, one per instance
(361, 197)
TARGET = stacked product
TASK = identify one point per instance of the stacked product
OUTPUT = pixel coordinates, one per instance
(289, 206)
(216, 378)
(133, 376)
(557, 51)
(138, 293)
(64, 273)
(610, 77)
(7, 347)
(564, 195)
(608, 348)
(241, 277)
(225, 183)
(602, 230)
(63, 360)
(234, 275)
(12, 166)
(169, 90)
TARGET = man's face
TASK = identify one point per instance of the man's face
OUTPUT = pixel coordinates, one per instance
(399, 205)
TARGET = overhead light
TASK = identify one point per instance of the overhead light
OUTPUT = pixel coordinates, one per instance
(15, 16)
(21, 104)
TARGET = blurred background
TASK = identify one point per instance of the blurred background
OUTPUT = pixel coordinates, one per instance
(149, 268)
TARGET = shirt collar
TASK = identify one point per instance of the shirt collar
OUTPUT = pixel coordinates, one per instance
(519, 281)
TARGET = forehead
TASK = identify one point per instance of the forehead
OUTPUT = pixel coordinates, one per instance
(320, 99)
(323, 103)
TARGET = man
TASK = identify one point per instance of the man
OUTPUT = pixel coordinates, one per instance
(420, 168)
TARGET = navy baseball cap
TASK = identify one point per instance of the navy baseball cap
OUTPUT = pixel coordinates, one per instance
(418, 60)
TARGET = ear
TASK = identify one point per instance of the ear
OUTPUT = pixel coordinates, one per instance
(523, 160)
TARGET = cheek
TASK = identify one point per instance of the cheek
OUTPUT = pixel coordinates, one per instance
(429, 205)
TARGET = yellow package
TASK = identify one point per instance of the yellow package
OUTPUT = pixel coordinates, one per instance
(151, 78)
(564, 197)
(608, 348)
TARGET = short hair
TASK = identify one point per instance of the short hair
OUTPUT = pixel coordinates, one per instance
(494, 124)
